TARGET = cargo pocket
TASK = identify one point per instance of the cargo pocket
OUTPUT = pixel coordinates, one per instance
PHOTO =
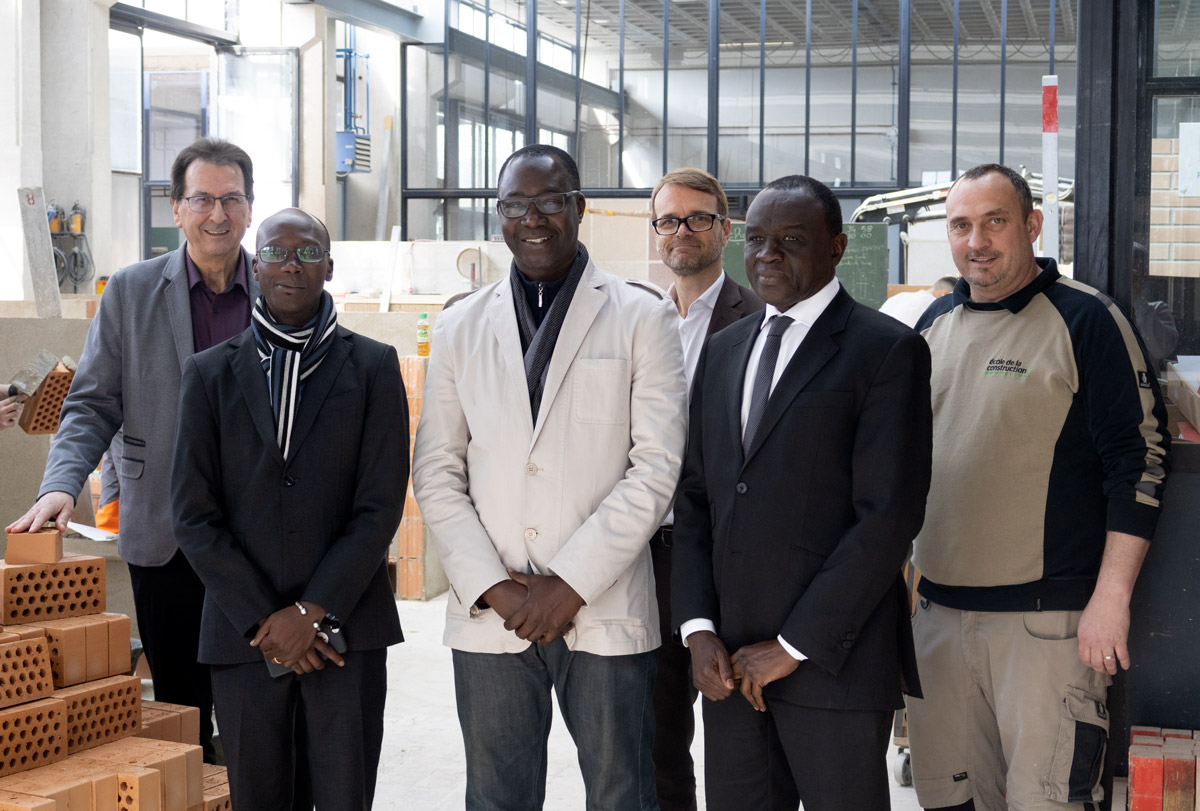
(1079, 752)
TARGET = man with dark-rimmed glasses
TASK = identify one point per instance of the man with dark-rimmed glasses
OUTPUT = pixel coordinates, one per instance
(153, 315)
(549, 447)
(690, 217)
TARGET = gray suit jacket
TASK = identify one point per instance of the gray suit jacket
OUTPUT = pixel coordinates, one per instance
(129, 375)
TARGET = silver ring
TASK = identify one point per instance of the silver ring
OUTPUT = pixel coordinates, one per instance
(1108, 658)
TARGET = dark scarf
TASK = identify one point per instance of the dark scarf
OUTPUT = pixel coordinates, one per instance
(538, 341)
(289, 355)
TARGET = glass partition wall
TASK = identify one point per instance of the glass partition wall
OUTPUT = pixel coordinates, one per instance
(868, 96)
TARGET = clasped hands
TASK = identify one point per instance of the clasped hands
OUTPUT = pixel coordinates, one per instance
(536, 607)
(716, 673)
(289, 638)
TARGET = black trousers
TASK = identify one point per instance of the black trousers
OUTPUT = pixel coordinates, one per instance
(169, 600)
(276, 730)
(831, 760)
(674, 695)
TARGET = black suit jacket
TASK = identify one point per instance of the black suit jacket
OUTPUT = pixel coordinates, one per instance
(733, 303)
(261, 532)
(805, 535)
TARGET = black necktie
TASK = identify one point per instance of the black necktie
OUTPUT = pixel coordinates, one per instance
(762, 378)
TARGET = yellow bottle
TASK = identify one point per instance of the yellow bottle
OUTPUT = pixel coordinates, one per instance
(423, 336)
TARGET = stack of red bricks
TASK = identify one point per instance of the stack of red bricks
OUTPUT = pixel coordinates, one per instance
(69, 710)
(1162, 769)
(409, 579)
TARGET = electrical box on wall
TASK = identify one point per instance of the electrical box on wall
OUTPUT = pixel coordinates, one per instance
(353, 152)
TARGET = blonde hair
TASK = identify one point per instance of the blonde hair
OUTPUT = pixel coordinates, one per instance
(697, 180)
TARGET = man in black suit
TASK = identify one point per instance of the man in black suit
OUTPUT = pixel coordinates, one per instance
(690, 217)
(807, 468)
(288, 485)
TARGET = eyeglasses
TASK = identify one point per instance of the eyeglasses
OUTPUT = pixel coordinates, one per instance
(696, 223)
(203, 203)
(514, 207)
(274, 255)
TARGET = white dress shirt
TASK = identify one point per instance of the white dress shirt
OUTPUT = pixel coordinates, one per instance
(693, 328)
(803, 314)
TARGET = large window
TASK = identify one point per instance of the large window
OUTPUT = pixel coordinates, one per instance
(865, 95)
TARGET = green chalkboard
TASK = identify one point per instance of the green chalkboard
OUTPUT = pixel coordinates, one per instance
(862, 271)
(734, 255)
(864, 267)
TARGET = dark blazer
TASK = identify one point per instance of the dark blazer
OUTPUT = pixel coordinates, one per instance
(805, 535)
(262, 533)
(733, 303)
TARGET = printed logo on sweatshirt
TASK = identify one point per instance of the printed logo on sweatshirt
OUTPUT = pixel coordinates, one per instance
(1007, 368)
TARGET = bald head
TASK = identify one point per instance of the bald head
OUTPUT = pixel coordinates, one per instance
(295, 217)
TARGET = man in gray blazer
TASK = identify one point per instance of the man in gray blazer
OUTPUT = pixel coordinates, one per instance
(152, 317)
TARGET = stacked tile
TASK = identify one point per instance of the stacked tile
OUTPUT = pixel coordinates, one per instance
(1163, 769)
(215, 788)
(170, 722)
(408, 581)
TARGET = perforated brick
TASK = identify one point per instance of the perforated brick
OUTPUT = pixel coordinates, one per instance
(189, 720)
(43, 546)
(180, 765)
(118, 644)
(102, 711)
(139, 789)
(31, 735)
(67, 644)
(12, 801)
(67, 792)
(217, 799)
(24, 671)
(161, 725)
(102, 779)
(25, 631)
(72, 587)
(40, 412)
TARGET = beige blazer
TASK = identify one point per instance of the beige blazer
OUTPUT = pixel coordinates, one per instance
(579, 495)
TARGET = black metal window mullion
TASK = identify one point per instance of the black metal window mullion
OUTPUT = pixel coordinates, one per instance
(487, 104)
(904, 111)
(575, 144)
(666, 80)
(531, 124)
(954, 103)
(621, 104)
(762, 91)
(853, 87)
(714, 85)
(1003, 69)
(807, 83)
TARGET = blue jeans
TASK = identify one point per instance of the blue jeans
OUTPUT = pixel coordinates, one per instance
(505, 713)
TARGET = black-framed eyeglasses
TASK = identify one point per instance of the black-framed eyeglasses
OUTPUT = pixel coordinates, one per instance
(514, 207)
(203, 203)
(274, 255)
(696, 223)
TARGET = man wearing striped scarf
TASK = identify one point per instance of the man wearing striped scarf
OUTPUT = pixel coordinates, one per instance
(288, 485)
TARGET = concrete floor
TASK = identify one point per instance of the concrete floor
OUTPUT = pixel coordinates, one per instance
(422, 763)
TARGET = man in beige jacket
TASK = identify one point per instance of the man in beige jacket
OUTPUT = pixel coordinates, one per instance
(549, 448)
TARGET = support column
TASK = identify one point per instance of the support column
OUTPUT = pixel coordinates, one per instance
(76, 163)
(20, 135)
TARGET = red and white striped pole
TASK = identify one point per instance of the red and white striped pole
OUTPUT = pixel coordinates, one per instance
(1050, 167)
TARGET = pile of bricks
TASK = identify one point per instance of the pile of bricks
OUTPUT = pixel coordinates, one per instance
(408, 581)
(69, 708)
(1162, 769)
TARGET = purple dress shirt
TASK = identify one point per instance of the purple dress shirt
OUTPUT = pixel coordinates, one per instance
(217, 317)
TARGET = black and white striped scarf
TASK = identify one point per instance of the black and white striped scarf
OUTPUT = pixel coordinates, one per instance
(289, 355)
